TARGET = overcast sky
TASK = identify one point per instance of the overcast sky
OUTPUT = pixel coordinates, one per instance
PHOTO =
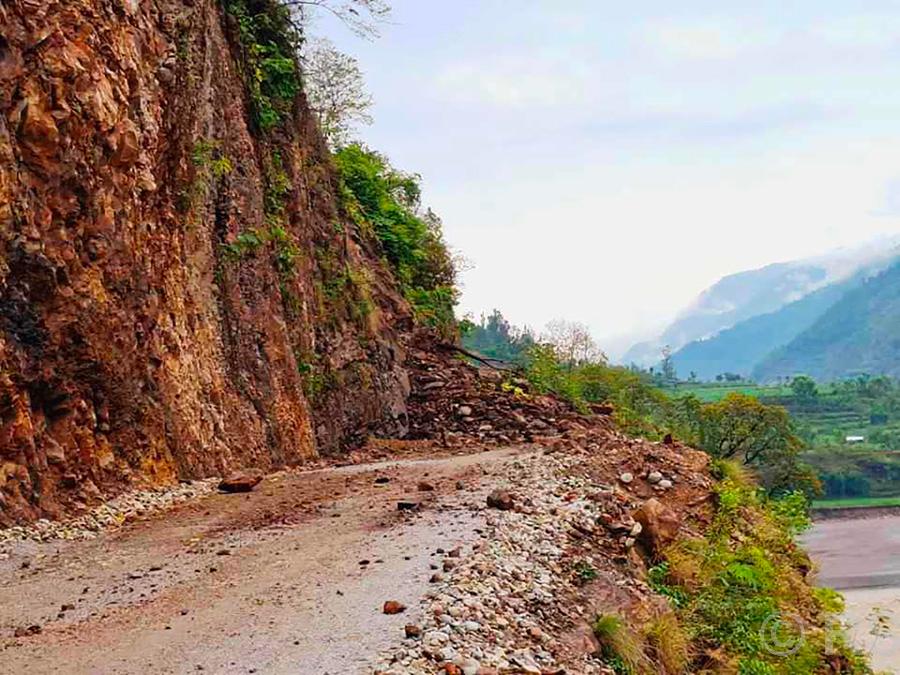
(606, 161)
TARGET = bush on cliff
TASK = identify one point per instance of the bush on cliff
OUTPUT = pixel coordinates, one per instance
(386, 204)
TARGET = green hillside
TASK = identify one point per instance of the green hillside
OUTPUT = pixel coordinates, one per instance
(859, 334)
(741, 348)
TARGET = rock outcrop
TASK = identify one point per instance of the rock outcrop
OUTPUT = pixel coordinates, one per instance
(154, 325)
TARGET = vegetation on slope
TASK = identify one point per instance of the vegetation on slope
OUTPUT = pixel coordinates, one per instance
(857, 335)
(385, 204)
(824, 417)
(742, 347)
(740, 592)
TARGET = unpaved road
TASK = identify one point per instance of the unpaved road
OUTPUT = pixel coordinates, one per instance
(270, 582)
(861, 558)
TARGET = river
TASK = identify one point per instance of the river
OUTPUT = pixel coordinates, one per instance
(860, 557)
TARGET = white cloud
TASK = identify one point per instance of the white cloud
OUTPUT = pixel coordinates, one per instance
(859, 30)
(515, 81)
(711, 40)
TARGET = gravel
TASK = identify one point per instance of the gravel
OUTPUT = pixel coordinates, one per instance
(497, 609)
(110, 515)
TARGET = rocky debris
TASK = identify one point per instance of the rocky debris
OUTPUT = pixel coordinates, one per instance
(241, 481)
(393, 607)
(25, 631)
(500, 499)
(516, 602)
(112, 514)
(460, 404)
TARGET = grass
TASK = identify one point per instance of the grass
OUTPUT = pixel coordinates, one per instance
(622, 648)
(725, 587)
(855, 502)
(670, 646)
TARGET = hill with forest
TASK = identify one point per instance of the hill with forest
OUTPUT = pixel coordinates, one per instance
(741, 348)
(859, 334)
(744, 295)
(743, 319)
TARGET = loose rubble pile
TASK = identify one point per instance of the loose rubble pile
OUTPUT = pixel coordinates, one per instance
(459, 404)
(110, 514)
(569, 537)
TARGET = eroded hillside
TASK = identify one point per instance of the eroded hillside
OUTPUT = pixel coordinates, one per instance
(180, 292)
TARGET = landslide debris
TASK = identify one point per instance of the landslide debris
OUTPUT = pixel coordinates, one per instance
(458, 402)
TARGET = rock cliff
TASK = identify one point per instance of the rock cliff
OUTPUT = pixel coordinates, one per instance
(180, 291)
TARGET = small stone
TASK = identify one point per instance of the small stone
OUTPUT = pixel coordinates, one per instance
(665, 484)
(412, 631)
(626, 477)
(407, 506)
(425, 486)
(500, 499)
(654, 477)
(393, 607)
(33, 629)
(464, 411)
(468, 666)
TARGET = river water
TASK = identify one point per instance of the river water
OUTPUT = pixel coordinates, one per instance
(860, 557)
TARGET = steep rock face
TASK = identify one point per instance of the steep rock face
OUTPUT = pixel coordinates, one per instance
(142, 338)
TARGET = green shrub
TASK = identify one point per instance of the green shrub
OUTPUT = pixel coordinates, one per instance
(734, 584)
(269, 43)
(384, 203)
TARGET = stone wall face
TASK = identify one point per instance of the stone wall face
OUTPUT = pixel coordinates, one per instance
(135, 347)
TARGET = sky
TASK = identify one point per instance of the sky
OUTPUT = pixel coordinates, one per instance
(604, 162)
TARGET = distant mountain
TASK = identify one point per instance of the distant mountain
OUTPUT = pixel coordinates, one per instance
(740, 349)
(859, 334)
(752, 293)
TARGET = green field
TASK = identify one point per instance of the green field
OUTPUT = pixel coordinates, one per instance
(856, 502)
(714, 392)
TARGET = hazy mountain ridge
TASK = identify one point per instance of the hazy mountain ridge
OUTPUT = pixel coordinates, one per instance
(740, 348)
(859, 334)
(701, 333)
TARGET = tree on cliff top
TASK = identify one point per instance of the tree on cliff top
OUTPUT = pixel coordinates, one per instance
(361, 16)
(335, 90)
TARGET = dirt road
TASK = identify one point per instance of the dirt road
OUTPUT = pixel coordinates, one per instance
(288, 579)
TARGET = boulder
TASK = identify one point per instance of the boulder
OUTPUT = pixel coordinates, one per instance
(659, 525)
(240, 481)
